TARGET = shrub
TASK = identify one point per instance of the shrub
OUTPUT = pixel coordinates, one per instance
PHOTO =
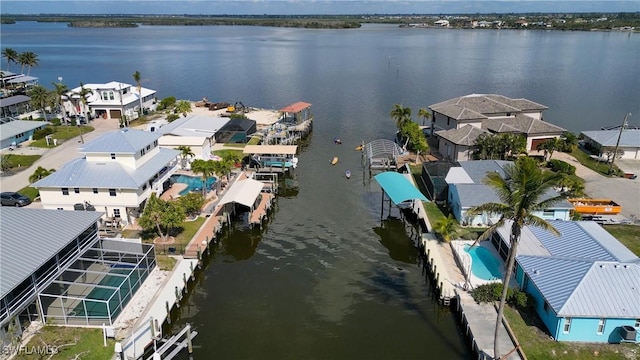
(562, 167)
(167, 103)
(41, 133)
(55, 122)
(492, 292)
(172, 117)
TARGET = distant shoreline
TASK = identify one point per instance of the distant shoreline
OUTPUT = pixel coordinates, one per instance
(628, 22)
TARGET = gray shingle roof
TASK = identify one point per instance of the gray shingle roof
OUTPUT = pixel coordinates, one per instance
(465, 135)
(521, 124)
(628, 138)
(478, 169)
(30, 237)
(124, 141)
(475, 194)
(81, 173)
(479, 103)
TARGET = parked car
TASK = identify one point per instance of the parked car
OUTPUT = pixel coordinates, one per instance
(14, 199)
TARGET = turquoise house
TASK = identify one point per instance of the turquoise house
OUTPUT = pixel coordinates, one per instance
(586, 284)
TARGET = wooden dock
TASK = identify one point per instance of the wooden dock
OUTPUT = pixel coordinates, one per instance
(262, 209)
(441, 267)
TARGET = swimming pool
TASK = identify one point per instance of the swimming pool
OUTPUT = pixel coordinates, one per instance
(194, 183)
(483, 264)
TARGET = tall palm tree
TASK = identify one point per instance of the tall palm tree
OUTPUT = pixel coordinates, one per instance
(40, 173)
(11, 56)
(400, 115)
(83, 98)
(40, 97)
(206, 168)
(521, 192)
(29, 59)
(60, 90)
(424, 114)
(138, 78)
(185, 153)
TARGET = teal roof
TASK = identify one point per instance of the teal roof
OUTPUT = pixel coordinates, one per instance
(398, 187)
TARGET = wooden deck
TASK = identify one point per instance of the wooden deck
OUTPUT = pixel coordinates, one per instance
(206, 234)
(173, 192)
(263, 207)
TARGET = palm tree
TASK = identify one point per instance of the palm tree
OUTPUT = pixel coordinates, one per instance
(206, 168)
(400, 115)
(40, 97)
(424, 114)
(29, 59)
(83, 98)
(549, 146)
(185, 153)
(11, 56)
(137, 77)
(447, 227)
(60, 90)
(40, 173)
(521, 192)
(184, 107)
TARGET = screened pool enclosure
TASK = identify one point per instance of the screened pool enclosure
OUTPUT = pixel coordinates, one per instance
(94, 289)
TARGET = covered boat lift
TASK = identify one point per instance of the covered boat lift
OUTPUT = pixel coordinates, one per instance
(398, 188)
(274, 157)
(248, 193)
(381, 154)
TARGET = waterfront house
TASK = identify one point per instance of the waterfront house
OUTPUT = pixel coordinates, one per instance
(16, 106)
(585, 283)
(13, 132)
(604, 140)
(494, 114)
(112, 100)
(236, 131)
(118, 173)
(196, 131)
(467, 190)
(459, 144)
(57, 270)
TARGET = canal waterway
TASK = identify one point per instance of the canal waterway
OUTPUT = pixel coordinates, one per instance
(325, 278)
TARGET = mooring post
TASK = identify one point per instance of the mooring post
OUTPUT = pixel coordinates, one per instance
(166, 304)
(189, 344)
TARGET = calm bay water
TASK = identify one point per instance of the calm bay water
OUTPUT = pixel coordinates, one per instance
(325, 279)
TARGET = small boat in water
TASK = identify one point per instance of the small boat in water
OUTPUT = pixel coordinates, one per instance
(359, 147)
(334, 161)
(337, 141)
(347, 174)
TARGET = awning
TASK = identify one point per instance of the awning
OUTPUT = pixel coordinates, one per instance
(398, 187)
(22, 79)
(243, 192)
(271, 149)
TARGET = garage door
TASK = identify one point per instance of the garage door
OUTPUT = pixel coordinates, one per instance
(535, 142)
(115, 114)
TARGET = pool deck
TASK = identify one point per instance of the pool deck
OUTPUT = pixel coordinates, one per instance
(173, 192)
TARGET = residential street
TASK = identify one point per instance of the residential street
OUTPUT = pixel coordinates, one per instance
(52, 158)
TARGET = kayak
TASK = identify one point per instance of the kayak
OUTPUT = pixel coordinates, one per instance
(334, 161)
(347, 174)
(359, 148)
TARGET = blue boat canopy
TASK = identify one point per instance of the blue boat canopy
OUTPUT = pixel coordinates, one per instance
(398, 187)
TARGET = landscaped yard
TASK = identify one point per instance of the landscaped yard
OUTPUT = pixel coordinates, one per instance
(62, 133)
(86, 344)
(629, 235)
(597, 166)
(13, 163)
(182, 235)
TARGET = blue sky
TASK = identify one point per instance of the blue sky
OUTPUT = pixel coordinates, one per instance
(289, 7)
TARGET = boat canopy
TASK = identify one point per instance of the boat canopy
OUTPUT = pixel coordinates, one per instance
(271, 149)
(398, 187)
(243, 192)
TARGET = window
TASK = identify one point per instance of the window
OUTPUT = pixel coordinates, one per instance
(112, 192)
(155, 143)
(60, 209)
(142, 152)
(601, 326)
(567, 325)
(65, 191)
(116, 213)
(144, 186)
(448, 121)
(76, 190)
(148, 147)
(105, 96)
(95, 190)
(113, 156)
(637, 323)
(548, 213)
(111, 95)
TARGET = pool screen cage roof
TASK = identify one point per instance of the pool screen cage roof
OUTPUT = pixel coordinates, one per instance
(381, 154)
(94, 289)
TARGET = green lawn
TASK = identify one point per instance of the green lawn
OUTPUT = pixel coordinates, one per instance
(15, 162)
(629, 235)
(29, 191)
(597, 166)
(183, 234)
(62, 133)
(88, 344)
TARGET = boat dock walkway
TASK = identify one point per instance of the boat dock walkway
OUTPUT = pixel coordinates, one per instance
(263, 207)
(169, 296)
(442, 266)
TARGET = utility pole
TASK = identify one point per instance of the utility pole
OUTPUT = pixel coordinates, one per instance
(615, 150)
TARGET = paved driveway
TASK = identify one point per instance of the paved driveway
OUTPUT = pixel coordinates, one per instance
(625, 192)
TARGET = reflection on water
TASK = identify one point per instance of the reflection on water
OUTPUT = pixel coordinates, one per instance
(393, 237)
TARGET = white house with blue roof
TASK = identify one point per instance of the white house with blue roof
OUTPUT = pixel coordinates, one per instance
(467, 190)
(118, 173)
(586, 284)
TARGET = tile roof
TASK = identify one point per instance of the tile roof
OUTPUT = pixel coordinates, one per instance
(123, 141)
(465, 135)
(24, 229)
(81, 173)
(521, 124)
(478, 103)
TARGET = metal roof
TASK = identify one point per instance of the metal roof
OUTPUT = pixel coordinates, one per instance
(586, 288)
(12, 100)
(271, 149)
(30, 237)
(457, 175)
(478, 169)
(123, 141)
(194, 126)
(628, 137)
(12, 128)
(81, 173)
(382, 148)
(398, 187)
(243, 192)
(22, 79)
(471, 195)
